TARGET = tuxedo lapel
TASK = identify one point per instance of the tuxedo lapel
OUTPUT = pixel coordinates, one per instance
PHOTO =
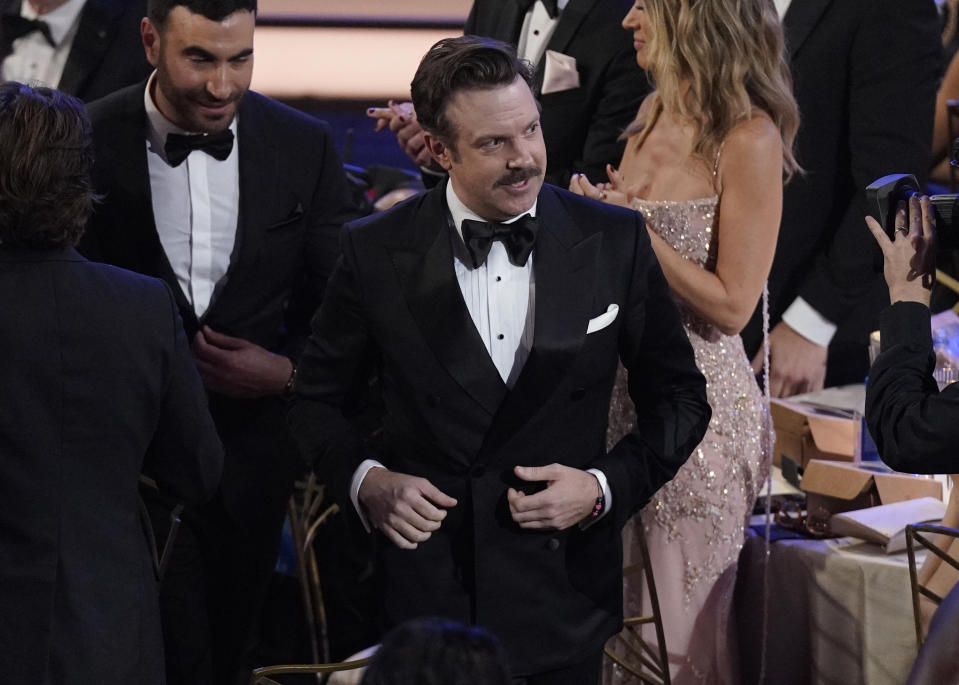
(425, 272)
(801, 17)
(565, 270)
(510, 22)
(127, 160)
(97, 26)
(259, 173)
(570, 20)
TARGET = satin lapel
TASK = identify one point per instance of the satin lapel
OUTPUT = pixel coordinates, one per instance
(570, 20)
(132, 196)
(509, 23)
(565, 270)
(94, 33)
(259, 172)
(801, 17)
(7, 7)
(425, 272)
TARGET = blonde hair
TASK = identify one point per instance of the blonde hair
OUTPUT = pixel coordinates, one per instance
(731, 53)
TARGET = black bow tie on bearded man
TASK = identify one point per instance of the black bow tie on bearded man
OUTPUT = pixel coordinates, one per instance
(551, 6)
(179, 146)
(517, 237)
(15, 26)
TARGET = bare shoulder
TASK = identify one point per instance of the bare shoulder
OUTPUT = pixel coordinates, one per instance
(757, 135)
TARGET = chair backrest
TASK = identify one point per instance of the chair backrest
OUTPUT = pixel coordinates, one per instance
(939, 541)
(630, 649)
(265, 674)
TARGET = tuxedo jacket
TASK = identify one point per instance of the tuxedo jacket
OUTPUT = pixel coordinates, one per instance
(97, 383)
(106, 54)
(553, 597)
(293, 201)
(865, 74)
(582, 125)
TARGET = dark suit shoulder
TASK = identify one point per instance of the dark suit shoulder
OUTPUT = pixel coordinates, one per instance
(123, 103)
(285, 120)
(591, 216)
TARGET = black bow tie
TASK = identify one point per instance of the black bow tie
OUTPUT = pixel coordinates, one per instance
(551, 7)
(517, 237)
(179, 146)
(15, 26)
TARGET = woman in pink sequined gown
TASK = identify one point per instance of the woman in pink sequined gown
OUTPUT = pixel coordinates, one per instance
(705, 162)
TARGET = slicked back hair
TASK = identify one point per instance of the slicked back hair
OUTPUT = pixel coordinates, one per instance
(455, 64)
(46, 157)
(214, 10)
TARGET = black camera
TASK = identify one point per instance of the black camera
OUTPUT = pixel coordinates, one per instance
(884, 194)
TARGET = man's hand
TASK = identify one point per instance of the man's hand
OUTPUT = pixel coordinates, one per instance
(238, 368)
(796, 365)
(404, 508)
(569, 497)
(909, 261)
(401, 120)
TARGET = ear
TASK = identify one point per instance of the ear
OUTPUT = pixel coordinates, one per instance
(440, 151)
(151, 41)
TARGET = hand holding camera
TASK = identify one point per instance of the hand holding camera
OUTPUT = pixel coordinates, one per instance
(909, 249)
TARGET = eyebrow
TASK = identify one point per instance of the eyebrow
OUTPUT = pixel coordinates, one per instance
(197, 51)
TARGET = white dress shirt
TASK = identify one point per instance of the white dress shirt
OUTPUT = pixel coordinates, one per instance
(33, 60)
(538, 28)
(500, 298)
(195, 205)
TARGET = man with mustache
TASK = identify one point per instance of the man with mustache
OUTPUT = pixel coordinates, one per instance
(496, 309)
(236, 201)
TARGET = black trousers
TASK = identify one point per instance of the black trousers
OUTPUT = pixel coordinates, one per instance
(585, 672)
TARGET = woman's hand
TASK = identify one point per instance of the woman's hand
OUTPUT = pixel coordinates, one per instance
(604, 192)
(910, 257)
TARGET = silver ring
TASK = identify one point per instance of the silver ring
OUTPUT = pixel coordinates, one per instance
(602, 195)
(903, 229)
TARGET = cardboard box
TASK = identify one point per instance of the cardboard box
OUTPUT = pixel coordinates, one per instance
(806, 431)
(833, 487)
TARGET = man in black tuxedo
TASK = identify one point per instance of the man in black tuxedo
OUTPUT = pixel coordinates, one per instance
(87, 48)
(236, 201)
(97, 384)
(585, 78)
(490, 486)
(865, 74)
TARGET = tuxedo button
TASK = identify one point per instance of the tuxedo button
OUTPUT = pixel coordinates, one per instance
(433, 400)
(577, 394)
(478, 470)
(552, 544)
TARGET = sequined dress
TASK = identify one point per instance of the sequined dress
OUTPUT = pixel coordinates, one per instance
(694, 524)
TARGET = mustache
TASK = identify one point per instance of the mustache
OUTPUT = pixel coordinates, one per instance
(519, 175)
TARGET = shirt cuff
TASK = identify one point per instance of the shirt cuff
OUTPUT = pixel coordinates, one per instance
(355, 484)
(607, 495)
(809, 323)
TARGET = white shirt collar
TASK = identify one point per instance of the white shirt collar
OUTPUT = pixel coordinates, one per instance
(460, 211)
(158, 126)
(60, 20)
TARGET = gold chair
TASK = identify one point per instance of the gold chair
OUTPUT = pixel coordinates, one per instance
(307, 514)
(629, 649)
(922, 534)
(262, 676)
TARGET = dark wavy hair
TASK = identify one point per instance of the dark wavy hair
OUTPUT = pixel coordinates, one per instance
(214, 10)
(46, 156)
(436, 651)
(464, 63)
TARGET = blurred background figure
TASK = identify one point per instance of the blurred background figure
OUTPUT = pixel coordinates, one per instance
(98, 384)
(585, 78)
(704, 163)
(852, 63)
(436, 651)
(86, 48)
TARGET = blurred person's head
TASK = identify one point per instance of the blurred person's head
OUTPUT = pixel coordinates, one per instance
(435, 651)
(46, 157)
(472, 96)
(712, 63)
(203, 54)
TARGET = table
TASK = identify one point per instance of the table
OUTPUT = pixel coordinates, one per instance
(840, 613)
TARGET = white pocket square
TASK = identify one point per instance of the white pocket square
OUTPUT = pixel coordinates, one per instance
(603, 320)
(560, 73)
